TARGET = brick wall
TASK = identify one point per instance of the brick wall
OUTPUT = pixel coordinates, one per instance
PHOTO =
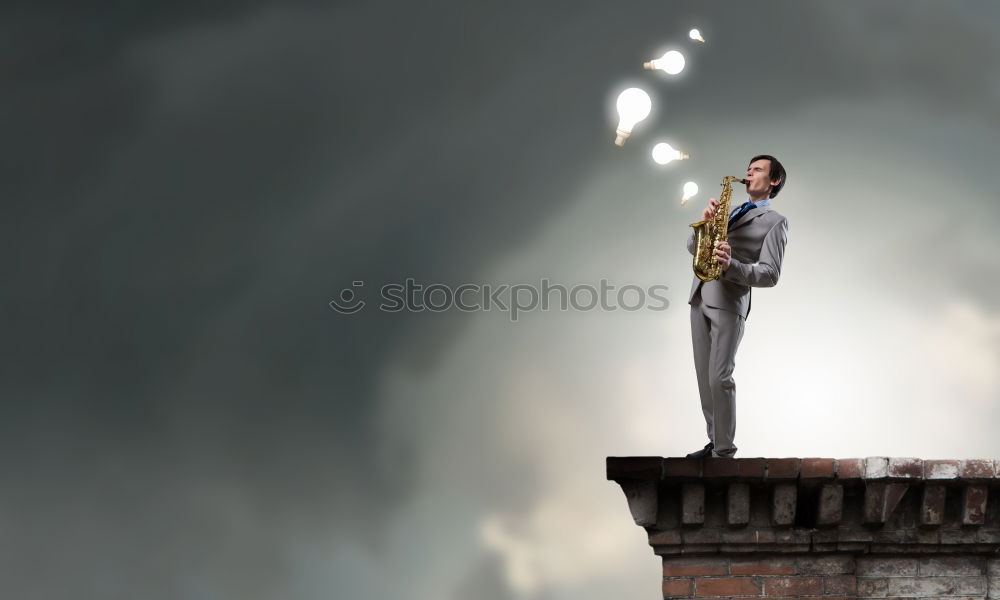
(827, 576)
(833, 575)
(965, 576)
(818, 528)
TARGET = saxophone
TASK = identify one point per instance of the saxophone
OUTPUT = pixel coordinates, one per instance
(707, 233)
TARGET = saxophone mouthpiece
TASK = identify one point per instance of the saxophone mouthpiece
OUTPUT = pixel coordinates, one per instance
(743, 181)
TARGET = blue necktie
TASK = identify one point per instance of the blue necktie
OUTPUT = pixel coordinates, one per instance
(742, 210)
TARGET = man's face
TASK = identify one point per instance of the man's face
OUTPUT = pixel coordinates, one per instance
(759, 178)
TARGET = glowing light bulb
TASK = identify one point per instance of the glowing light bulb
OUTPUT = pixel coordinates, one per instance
(672, 63)
(633, 106)
(694, 34)
(690, 191)
(664, 153)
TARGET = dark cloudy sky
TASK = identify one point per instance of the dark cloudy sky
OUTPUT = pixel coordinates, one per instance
(188, 184)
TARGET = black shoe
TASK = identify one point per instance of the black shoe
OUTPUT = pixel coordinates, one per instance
(704, 452)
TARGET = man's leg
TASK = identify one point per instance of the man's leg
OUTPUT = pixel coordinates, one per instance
(701, 341)
(726, 331)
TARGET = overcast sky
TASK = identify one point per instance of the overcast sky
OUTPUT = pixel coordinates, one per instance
(187, 185)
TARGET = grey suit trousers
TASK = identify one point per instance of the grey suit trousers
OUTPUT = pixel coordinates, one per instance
(715, 336)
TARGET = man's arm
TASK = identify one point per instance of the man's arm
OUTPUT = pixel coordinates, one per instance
(764, 272)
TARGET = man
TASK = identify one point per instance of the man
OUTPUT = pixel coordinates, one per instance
(751, 258)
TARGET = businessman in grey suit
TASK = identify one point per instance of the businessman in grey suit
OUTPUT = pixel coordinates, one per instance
(719, 309)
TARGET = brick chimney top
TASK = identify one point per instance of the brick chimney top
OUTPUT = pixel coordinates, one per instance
(829, 526)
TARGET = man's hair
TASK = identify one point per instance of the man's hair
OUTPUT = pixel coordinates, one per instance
(777, 172)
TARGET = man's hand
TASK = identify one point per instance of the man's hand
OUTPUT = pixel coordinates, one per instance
(709, 211)
(724, 254)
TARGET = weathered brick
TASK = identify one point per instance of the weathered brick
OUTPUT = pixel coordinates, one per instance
(825, 536)
(642, 496)
(941, 469)
(890, 536)
(920, 587)
(758, 566)
(719, 468)
(825, 565)
(958, 536)
(855, 547)
(881, 499)
(932, 505)
(793, 536)
(930, 537)
(677, 588)
(792, 548)
(785, 496)
(974, 504)
(749, 536)
(681, 467)
(752, 468)
(993, 568)
(817, 468)
(840, 585)
(685, 566)
(888, 566)
(664, 536)
(738, 504)
(634, 467)
(701, 549)
(976, 469)
(876, 467)
(793, 586)
(702, 535)
(782, 468)
(934, 566)
(850, 468)
(873, 587)
(906, 468)
(855, 535)
(890, 548)
(982, 548)
(728, 586)
(692, 504)
(746, 548)
(988, 535)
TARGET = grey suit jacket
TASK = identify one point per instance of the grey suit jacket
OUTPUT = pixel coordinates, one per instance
(758, 242)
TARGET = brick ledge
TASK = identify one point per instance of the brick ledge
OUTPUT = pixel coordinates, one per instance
(776, 505)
